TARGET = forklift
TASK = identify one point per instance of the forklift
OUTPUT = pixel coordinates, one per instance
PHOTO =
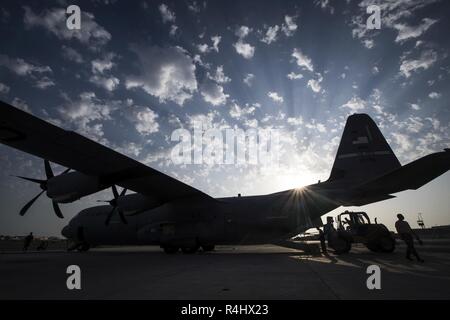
(355, 227)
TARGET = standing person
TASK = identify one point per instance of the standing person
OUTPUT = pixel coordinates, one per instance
(406, 234)
(27, 241)
(329, 230)
(322, 241)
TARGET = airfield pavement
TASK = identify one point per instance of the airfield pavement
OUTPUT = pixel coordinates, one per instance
(241, 272)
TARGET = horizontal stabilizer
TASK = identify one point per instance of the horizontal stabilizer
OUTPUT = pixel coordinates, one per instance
(361, 201)
(410, 176)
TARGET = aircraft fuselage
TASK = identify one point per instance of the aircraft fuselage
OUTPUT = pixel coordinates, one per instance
(234, 220)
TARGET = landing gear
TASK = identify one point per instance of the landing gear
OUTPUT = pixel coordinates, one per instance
(190, 250)
(84, 247)
(187, 250)
(340, 244)
(207, 248)
(170, 249)
(79, 246)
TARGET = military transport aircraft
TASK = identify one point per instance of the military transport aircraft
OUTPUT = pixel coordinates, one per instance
(164, 211)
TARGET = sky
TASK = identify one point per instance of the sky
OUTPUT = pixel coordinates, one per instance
(137, 71)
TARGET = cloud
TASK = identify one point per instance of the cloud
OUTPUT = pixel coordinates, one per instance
(194, 7)
(99, 69)
(434, 95)
(425, 61)
(21, 104)
(355, 104)
(302, 60)
(21, 67)
(130, 149)
(219, 76)
(54, 21)
(4, 89)
(315, 85)
(248, 79)
(368, 43)
(146, 122)
(166, 13)
(375, 70)
(271, 34)
(99, 66)
(44, 83)
(86, 113)
(295, 121)
(316, 126)
(275, 97)
(244, 49)
(294, 76)
(289, 27)
(415, 106)
(242, 32)
(402, 141)
(167, 73)
(204, 48)
(71, 54)
(173, 30)
(406, 32)
(216, 40)
(238, 112)
(213, 93)
(325, 5)
(107, 83)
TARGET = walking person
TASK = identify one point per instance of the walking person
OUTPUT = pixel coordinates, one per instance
(406, 234)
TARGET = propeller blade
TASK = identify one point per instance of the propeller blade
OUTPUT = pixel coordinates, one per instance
(30, 203)
(114, 190)
(109, 216)
(48, 169)
(122, 216)
(31, 179)
(123, 192)
(57, 210)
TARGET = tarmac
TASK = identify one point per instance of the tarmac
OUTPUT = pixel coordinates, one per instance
(228, 273)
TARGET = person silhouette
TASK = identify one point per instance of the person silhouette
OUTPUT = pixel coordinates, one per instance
(28, 239)
(406, 234)
(323, 245)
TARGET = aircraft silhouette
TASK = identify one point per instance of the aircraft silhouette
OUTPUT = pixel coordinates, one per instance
(166, 212)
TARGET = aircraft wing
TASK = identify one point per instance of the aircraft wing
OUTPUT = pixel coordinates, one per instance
(23, 131)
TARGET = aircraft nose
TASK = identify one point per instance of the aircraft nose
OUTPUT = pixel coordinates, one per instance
(67, 232)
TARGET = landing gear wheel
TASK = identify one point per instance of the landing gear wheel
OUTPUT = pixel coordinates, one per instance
(386, 244)
(190, 250)
(84, 247)
(170, 249)
(208, 247)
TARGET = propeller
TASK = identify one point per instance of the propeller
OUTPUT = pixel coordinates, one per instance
(43, 184)
(114, 204)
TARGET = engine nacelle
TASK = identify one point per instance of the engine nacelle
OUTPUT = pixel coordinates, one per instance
(137, 202)
(72, 186)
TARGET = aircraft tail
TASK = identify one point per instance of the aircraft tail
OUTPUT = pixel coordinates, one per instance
(363, 152)
(367, 170)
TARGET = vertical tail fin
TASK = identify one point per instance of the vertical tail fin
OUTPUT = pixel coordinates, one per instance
(363, 152)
